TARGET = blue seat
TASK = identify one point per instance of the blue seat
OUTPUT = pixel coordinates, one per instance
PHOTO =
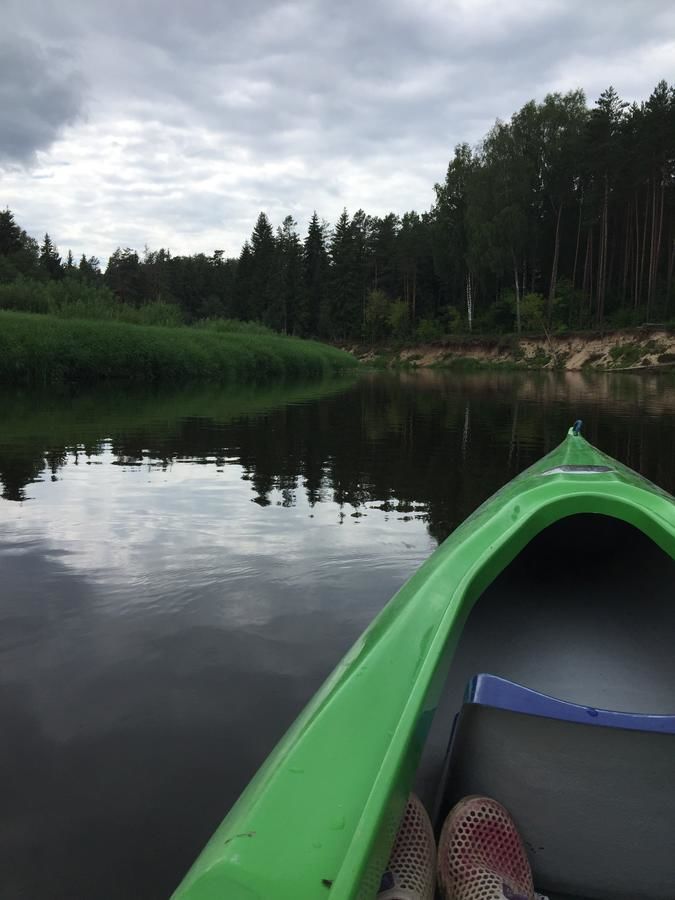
(592, 791)
(499, 693)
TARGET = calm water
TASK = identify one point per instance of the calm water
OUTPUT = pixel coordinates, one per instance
(178, 574)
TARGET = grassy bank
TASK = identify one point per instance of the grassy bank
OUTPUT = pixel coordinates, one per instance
(43, 349)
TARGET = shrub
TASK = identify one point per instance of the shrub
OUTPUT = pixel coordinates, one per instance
(428, 330)
(399, 320)
(25, 295)
(625, 355)
(500, 316)
(74, 298)
(378, 324)
(450, 320)
(625, 317)
(570, 307)
(532, 312)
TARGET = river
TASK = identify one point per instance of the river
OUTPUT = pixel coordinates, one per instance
(180, 571)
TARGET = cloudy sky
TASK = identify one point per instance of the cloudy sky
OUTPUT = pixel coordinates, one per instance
(173, 123)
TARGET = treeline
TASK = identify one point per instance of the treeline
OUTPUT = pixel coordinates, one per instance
(562, 218)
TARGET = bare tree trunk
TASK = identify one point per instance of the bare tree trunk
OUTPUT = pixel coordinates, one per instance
(469, 301)
(606, 268)
(602, 263)
(414, 293)
(590, 277)
(652, 247)
(515, 276)
(598, 297)
(624, 280)
(554, 268)
(644, 242)
(611, 251)
(669, 277)
(576, 249)
(659, 233)
(636, 272)
(588, 265)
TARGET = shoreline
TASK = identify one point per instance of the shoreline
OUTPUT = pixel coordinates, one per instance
(648, 348)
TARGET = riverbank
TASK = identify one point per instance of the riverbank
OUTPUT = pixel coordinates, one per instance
(624, 350)
(44, 349)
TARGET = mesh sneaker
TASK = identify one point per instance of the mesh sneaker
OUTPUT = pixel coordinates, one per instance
(410, 873)
(481, 855)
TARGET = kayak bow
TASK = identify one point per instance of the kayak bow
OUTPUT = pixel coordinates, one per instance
(319, 818)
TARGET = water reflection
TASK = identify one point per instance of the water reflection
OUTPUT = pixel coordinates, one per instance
(417, 443)
(180, 572)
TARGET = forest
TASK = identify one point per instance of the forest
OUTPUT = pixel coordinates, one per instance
(562, 218)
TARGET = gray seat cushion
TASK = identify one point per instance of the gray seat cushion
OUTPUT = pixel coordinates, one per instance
(595, 805)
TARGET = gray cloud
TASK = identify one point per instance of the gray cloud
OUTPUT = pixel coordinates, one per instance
(199, 115)
(40, 93)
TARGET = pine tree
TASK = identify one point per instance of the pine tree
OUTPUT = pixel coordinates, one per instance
(18, 252)
(362, 228)
(10, 234)
(156, 275)
(316, 267)
(452, 251)
(409, 250)
(50, 261)
(89, 269)
(603, 133)
(290, 277)
(563, 120)
(123, 276)
(242, 306)
(344, 306)
(659, 122)
(384, 240)
(263, 249)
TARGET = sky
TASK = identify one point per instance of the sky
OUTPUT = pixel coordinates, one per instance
(172, 124)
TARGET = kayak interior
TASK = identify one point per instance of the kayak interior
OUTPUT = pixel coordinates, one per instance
(583, 614)
(553, 594)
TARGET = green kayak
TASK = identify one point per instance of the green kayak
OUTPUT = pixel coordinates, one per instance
(529, 657)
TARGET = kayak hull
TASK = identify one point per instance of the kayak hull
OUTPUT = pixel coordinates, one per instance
(322, 812)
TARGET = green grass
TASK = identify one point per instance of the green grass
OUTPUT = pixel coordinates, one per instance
(43, 349)
(231, 325)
